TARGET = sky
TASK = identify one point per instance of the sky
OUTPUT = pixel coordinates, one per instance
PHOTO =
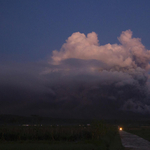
(73, 58)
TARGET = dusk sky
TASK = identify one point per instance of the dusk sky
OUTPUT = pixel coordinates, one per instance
(71, 58)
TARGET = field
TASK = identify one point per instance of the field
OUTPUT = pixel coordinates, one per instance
(97, 136)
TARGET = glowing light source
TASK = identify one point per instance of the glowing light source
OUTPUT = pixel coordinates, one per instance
(120, 129)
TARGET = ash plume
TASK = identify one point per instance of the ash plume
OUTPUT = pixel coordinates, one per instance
(119, 72)
(82, 80)
(131, 53)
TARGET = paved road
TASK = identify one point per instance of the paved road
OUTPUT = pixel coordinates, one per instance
(133, 142)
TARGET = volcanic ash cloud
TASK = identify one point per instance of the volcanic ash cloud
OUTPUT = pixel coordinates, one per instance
(116, 70)
(131, 53)
(83, 79)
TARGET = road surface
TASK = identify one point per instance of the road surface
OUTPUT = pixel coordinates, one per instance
(133, 142)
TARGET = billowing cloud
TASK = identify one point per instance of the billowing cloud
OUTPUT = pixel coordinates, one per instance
(136, 106)
(131, 53)
(117, 70)
(84, 79)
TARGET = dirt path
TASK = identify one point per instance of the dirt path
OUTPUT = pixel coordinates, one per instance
(133, 142)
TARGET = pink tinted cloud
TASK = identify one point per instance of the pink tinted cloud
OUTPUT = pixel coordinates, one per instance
(131, 53)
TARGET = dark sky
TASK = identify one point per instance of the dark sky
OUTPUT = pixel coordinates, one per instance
(32, 29)
(73, 58)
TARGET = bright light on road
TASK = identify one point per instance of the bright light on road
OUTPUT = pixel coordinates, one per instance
(120, 129)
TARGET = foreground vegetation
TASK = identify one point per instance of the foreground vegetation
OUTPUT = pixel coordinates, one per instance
(99, 136)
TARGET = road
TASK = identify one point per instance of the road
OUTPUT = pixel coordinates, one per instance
(133, 142)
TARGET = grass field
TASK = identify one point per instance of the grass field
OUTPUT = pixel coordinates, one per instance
(115, 145)
(98, 136)
(42, 146)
